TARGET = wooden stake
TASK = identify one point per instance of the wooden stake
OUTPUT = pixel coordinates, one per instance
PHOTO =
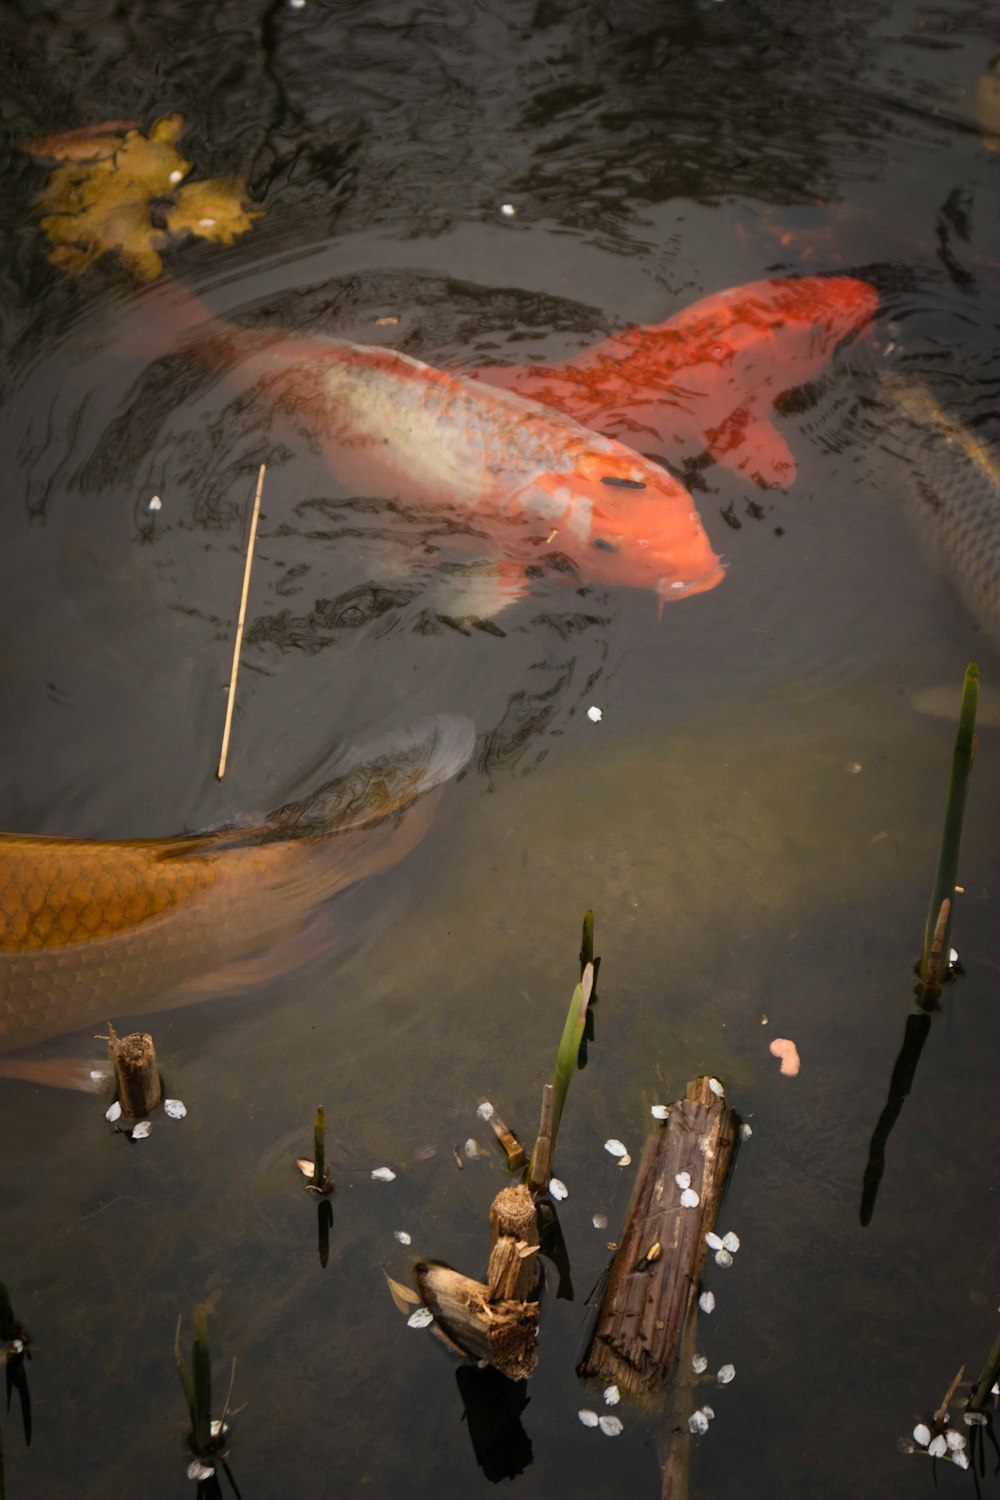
(238, 643)
(642, 1311)
(541, 1157)
(134, 1062)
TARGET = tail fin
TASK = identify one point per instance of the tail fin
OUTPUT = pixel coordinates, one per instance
(380, 779)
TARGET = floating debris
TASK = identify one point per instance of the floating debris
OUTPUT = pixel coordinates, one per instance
(402, 1236)
(114, 1113)
(594, 714)
(485, 1110)
(587, 1417)
(699, 1364)
(384, 1174)
(615, 1148)
(403, 1296)
(707, 1302)
(600, 1221)
(174, 1108)
(789, 1054)
(558, 1189)
(612, 1395)
(611, 1426)
(422, 1318)
(726, 1374)
(141, 1130)
(690, 1199)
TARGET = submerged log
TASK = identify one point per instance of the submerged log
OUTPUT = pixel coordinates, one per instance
(134, 1061)
(502, 1331)
(662, 1247)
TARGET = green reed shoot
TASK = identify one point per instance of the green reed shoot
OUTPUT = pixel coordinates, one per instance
(321, 1179)
(567, 1056)
(987, 1380)
(936, 950)
(197, 1385)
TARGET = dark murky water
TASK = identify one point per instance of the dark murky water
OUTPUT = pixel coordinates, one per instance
(740, 864)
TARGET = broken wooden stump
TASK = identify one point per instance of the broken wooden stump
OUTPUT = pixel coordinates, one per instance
(134, 1061)
(501, 1330)
(662, 1247)
(513, 1269)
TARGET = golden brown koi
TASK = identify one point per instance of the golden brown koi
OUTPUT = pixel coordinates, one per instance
(89, 929)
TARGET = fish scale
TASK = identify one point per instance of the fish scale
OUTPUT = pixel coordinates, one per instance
(89, 929)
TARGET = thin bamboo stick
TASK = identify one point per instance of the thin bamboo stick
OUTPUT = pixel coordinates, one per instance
(238, 643)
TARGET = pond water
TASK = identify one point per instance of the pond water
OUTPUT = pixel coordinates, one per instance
(754, 819)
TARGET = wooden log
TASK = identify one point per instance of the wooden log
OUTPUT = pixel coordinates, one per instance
(642, 1311)
(134, 1062)
(514, 1269)
(503, 1332)
(541, 1157)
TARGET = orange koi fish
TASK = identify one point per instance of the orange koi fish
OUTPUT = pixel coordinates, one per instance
(539, 484)
(90, 929)
(706, 379)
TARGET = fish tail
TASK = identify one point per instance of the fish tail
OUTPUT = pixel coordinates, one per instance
(380, 779)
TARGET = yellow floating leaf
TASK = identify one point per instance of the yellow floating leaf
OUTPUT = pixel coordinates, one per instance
(90, 143)
(215, 210)
(403, 1296)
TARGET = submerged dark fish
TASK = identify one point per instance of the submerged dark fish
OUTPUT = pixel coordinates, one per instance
(90, 929)
(954, 484)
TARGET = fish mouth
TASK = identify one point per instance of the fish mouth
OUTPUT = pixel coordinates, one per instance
(669, 589)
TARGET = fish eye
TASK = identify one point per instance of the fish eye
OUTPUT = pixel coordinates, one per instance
(623, 484)
(603, 545)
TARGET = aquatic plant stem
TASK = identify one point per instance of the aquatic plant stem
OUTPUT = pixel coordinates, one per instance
(987, 1379)
(238, 643)
(937, 933)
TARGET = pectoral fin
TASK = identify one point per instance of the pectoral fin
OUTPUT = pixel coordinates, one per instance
(751, 445)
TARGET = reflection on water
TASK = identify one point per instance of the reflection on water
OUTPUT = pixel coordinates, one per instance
(753, 819)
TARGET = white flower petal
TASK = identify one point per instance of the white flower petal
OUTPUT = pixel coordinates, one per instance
(600, 1221)
(697, 1422)
(197, 1470)
(485, 1110)
(921, 1434)
(716, 1088)
(402, 1236)
(709, 1413)
(615, 1148)
(745, 1131)
(723, 1259)
(731, 1242)
(384, 1174)
(471, 1149)
(587, 1417)
(612, 1395)
(712, 1241)
(594, 714)
(140, 1131)
(558, 1189)
(610, 1426)
(114, 1113)
(174, 1108)
(707, 1302)
(725, 1374)
(683, 1179)
(508, 210)
(690, 1199)
(955, 1440)
(660, 1111)
(961, 1459)
(422, 1318)
(937, 1447)
(699, 1364)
